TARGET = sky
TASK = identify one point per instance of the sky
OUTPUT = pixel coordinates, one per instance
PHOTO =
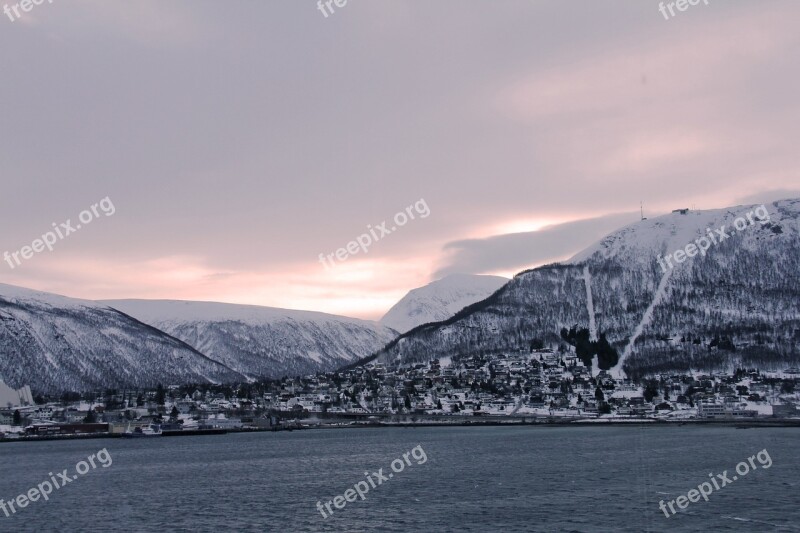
(237, 141)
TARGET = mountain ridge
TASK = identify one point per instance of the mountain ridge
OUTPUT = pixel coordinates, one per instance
(55, 343)
(262, 341)
(624, 278)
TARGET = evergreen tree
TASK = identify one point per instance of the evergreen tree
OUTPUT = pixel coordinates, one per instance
(91, 416)
(607, 356)
(160, 394)
(650, 392)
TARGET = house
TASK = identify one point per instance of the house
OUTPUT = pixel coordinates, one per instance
(550, 359)
(627, 386)
(710, 410)
(185, 406)
(590, 408)
(537, 402)
(221, 422)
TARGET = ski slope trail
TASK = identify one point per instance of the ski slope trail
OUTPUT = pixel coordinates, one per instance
(587, 278)
(646, 319)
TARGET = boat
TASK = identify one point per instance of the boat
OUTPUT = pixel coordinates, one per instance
(152, 430)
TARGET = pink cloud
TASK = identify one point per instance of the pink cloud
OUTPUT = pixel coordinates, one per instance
(364, 288)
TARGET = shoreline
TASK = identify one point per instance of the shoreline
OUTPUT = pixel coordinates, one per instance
(517, 422)
(583, 422)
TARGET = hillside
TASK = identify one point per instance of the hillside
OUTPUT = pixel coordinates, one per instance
(262, 341)
(53, 343)
(738, 304)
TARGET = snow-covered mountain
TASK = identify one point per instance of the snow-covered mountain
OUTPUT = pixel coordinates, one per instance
(262, 341)
(440, 300)
(736, 304)
(54, 343)
(739, 303)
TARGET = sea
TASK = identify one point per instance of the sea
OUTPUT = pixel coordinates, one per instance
(422, 479)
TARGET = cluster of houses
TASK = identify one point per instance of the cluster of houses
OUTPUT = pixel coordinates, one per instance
(120, 411)
(538, 383)
(542, 383)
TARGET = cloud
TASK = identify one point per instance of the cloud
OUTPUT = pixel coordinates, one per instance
(239, 142)
(518, 251)
(769, 196)
(365, 287)
(687, 101)
(146, 22)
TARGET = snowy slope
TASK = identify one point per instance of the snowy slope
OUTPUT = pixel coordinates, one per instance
(750, 249)
(54, 343)
(643, 241)
(440, 300)
(744, 295)
(262, 341)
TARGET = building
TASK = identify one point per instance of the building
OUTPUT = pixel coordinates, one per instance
(14, 398)
(785, 411)
(710, 410)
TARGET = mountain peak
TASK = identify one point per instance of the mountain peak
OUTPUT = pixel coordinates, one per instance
(440, 299)
(736, 305)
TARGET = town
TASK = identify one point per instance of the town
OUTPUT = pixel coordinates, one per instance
(541, 385)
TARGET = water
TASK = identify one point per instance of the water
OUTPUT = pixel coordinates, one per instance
(475, 479)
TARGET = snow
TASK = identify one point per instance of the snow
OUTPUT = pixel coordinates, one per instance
(439, 300)
(315, 356)
(628, 394)
(587, 278)
(22, 295)
(645, 240)
(261, 341)
(646, 319)
(635, 303)
(762, 408)
(59, 343)
(160, 311)
(51, 360)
